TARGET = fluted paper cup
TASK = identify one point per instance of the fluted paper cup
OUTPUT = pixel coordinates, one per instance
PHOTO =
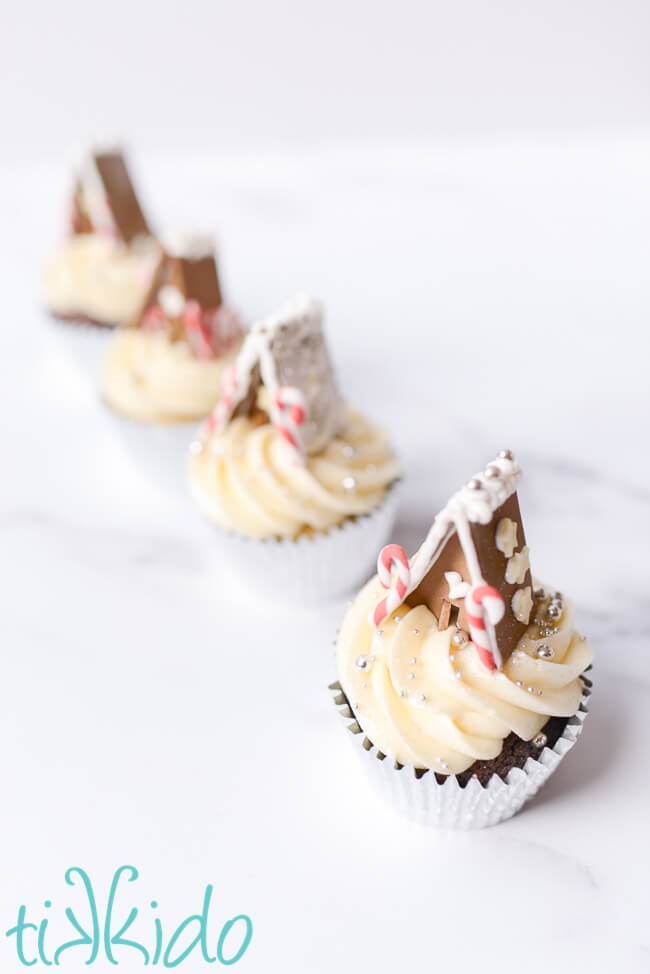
(158, 451)
(420, 797)
(310, 569)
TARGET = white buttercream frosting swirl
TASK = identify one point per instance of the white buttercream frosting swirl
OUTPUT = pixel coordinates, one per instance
(94, 276)
(152, 378)
(247, 479)
(423, 700)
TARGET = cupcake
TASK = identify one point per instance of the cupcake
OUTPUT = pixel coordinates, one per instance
(300, 485)
(166, 365)
(102, 271)
(462, 678)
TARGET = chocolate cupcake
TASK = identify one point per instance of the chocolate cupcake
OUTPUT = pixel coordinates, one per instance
(462, 677)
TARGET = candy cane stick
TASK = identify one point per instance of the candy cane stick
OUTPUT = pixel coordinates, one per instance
(484, 608)
(391, 555)
(198, 331)
(288, 414)
(153, 319)
(230, 383)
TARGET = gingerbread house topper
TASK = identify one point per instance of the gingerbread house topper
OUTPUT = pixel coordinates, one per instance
(104, 199)
(287, 354)
(473, 565)
(184, 299)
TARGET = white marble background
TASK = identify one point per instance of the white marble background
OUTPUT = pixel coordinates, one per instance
(152, 712)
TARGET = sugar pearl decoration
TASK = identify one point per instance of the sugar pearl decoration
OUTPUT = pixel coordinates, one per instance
(545, 652)
(554, 611)
(362, 662)
(349, 483)
(416, 632)
(492, 472)
(459, 638)
(196, 446)
(519, 683)
(506, 455)
(413, 660)
(474, 484)
(539, 740)
(411, 676)
(459, 675)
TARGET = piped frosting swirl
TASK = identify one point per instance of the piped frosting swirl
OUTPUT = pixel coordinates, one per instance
(422, 696)
(247, 479)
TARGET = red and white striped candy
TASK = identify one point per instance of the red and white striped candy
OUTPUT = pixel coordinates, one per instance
(391, 555)
(153, 319)
(198, 330)
(484, 604)
(229, 388)
(288, 413)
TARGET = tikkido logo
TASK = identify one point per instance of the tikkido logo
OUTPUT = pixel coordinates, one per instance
(100, 936)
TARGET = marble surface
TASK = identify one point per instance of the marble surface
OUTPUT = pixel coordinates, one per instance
(153, 714)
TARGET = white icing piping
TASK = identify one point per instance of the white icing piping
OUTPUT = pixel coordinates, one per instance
(192, 246)
(468, 506)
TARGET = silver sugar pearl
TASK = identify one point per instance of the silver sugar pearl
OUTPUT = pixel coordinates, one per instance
(519, 683)
(413, 660)
(397, 618)
(539, 740)
(554, 611)
(452, 656)
(492, 472)
(506, 455)
(531, 689)
(474, 484)
(416, 632)
(349, 483)
(411, 676)
(540, 693)
(545, 652)
(372, 659)
(362, 662)
(402, 693)
(459, 638)
(459, 675)
(380, 633)
(422, 698)
(364, 684)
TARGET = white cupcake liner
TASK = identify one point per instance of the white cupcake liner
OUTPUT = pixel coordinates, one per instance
(313, 569)
(158, 451)
(422, 799)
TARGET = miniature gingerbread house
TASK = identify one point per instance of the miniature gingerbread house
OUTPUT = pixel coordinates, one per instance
(287, 354)
(184, 299)
(473, 567)
(104, 199)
